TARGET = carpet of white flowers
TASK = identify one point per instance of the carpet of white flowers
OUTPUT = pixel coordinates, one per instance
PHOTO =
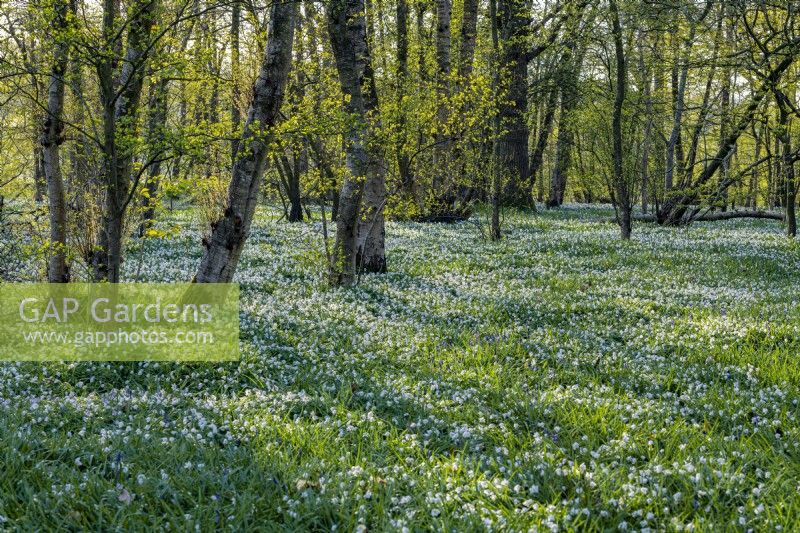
(558, 380)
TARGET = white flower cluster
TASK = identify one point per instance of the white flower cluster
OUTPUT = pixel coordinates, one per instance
(557, 380)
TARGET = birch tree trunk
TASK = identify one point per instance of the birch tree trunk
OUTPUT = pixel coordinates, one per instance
(371, 256)
(230, 232)
(359, 235)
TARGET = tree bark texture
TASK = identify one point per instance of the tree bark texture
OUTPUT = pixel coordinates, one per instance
(359, 233)
(230, 232)
(621, 188)
(512, 147)
(120, 108)
(52, 138)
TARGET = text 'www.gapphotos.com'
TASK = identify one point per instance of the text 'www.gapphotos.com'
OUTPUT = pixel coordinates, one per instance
(119, 337)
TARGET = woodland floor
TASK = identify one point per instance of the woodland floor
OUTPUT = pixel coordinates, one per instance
(558, 379)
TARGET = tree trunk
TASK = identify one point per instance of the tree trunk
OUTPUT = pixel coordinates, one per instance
(705, 108)
(403, 159)
(788, 162)
(513, 21)
(290, 172)
(120, 107)
(752, 187)
(659, 142)
(236, 114)
(537, 158)
(648, 125)
(371, 255)
(230, 232)
(622, 191)
(496, 188)
(558, 179)
(768, 198)
(725, 107)
(39, 177)
(466, 51)
(441, 151)
(156, 124)
(715, 217)
(371, 229)
(566, 135)
(680, 73)
(675, 143)
(52, 138)
(730, 215)
(346, 26)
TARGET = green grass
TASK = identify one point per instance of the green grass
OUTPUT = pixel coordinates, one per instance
(560, 378)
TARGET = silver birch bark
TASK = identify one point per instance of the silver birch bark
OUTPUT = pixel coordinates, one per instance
(230, 232)
(359, 234)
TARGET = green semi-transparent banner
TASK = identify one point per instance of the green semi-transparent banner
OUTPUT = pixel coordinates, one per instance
(119, 322)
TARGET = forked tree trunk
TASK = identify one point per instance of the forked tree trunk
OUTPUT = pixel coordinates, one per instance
(230, 232)
(120, 108)
(359, 234)
(371, 256)
(680, 73)
(52, 138)
(290, 172)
